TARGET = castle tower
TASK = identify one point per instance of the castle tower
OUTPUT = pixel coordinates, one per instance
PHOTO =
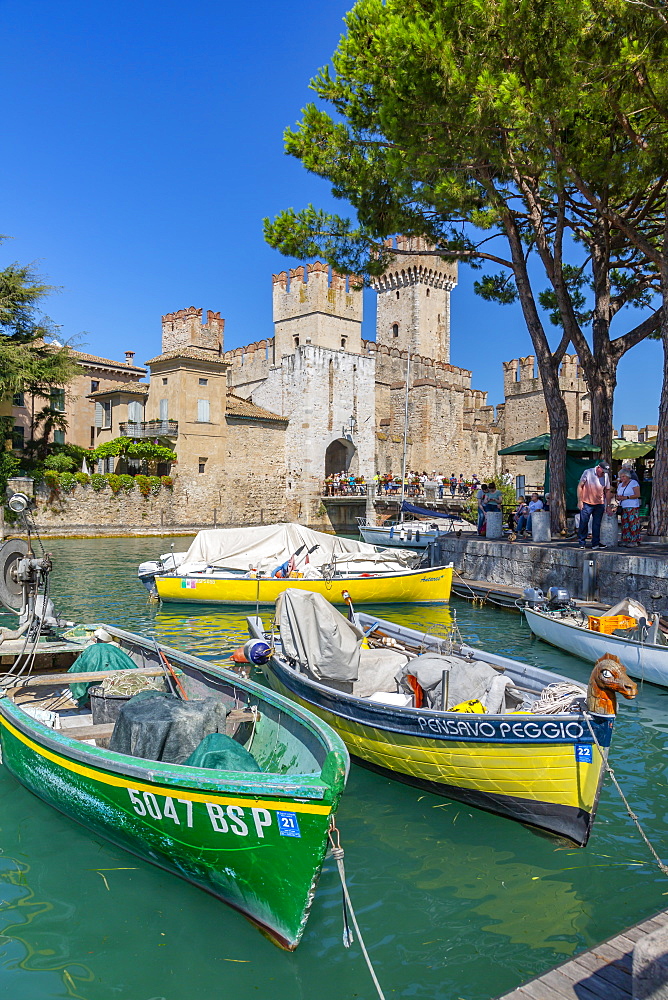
(313, 307)
(184, 328)
(414, 302)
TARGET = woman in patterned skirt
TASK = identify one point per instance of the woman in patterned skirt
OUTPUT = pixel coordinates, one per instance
(628, 497)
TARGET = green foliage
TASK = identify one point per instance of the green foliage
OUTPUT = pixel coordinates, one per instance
(9, 464)
(98, 481)
(59, 462)
(114, 483)
(167, 482)
(127, 482)
(82, 478)
(126, 447)
(506, 484)
(67, 482)
(155, 485)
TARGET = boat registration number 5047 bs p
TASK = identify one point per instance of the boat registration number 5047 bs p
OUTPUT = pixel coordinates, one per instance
(223, 819)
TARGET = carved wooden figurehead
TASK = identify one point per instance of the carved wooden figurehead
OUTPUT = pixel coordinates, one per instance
(608, 677)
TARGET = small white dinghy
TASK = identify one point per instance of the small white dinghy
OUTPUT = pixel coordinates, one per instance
(642, 646)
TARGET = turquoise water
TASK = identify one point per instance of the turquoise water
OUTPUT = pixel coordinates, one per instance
(453, 902)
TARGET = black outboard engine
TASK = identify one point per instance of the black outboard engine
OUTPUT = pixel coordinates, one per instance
(558, 597)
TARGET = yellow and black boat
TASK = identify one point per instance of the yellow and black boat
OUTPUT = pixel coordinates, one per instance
(485, 729)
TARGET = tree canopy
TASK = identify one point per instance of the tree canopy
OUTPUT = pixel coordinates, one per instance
(496, 132)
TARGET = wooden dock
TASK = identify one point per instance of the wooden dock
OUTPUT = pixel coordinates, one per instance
(501, 594)
(602, 973)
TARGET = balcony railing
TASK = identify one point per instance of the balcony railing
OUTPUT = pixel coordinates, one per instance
(150, 429)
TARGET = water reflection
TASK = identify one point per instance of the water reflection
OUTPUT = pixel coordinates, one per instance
(453, 902)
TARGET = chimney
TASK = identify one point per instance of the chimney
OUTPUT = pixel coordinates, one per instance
(129, 357)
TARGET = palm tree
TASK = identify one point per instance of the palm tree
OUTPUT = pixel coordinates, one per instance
(51, 420)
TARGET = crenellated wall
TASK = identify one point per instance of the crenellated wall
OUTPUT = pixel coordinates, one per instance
(184, 328)
(313, 306)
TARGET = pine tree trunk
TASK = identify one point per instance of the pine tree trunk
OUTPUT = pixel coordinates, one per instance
(658, 519)
(557, 415)
(602, 394)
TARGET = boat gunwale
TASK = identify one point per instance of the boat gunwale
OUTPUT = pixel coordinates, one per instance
(306, 785)
(590, 632)
(378, 708)
(336, 579)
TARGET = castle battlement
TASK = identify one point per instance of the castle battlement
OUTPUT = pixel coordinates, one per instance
(313, 305)
(521, 375)
(184, 328)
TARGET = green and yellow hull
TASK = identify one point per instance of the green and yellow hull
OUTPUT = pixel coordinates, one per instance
(545, 771)
(256, 841)
(411, 587)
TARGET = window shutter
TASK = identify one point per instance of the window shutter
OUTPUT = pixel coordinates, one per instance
(134, 412)
(203, 411)
(99, 414)
(164, 409)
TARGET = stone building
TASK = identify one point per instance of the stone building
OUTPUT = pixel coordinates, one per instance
(75, 402)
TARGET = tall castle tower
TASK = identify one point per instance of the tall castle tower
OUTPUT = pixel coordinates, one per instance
(414, 302)
(313, 307)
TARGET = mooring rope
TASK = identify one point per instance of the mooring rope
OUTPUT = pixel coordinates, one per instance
(556, 698)
(337, 854)
(662, 866)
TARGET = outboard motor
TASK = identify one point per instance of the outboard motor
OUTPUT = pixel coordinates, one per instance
(533, 596)
(558, 597)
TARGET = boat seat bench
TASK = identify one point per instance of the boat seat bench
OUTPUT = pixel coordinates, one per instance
(103, 731)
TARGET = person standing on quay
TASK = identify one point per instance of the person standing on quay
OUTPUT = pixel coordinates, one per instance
(628, 497)
(593, 493)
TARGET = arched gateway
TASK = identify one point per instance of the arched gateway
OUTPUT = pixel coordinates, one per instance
(339, 456)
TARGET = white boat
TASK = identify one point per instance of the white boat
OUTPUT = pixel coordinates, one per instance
(645, 658)
(415, 535)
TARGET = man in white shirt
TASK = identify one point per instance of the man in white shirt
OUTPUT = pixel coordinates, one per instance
(593, 494)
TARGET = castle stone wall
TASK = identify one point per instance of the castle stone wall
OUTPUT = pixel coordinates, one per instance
(313, 307)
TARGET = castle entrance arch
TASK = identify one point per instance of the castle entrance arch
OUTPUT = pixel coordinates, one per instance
(341, 456)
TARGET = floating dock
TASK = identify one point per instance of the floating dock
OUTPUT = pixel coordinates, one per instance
(602, 973)
(500, 594)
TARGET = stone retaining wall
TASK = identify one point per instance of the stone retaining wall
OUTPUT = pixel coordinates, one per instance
(617, 574)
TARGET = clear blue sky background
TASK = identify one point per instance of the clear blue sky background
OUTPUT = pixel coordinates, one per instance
(142, 148)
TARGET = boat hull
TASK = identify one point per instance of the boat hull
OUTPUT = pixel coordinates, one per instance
(649, 663)
(256, 841)
(414, 587)
(398, 538)
(543, 771)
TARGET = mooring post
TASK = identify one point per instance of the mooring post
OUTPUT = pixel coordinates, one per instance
(370, 503)
(588, 579)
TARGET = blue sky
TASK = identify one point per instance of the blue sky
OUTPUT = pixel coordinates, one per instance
(142, 148)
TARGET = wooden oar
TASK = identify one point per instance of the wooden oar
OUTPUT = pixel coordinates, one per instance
(171, 671)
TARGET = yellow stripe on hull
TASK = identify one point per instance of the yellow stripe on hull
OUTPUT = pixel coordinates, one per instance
(415, 587)
(537, 773)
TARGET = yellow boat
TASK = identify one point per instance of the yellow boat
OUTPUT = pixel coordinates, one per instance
(527, 759)
(418, 586)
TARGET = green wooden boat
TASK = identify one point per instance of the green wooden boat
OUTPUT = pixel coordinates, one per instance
(255, 839)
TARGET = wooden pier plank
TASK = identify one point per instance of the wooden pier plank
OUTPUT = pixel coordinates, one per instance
(601, 973)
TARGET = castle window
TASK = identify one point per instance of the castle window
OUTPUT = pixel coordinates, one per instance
(296, 341)
(343, 341)
(397, 294)
(164, 381)
(427, 293)
(204, 381)
(94, 385)
(395, 328)
(585, 418)
(201, 465)
(203, 411)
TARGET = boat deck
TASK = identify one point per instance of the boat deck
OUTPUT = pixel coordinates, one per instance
(602, 973)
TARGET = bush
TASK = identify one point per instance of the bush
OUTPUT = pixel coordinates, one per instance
(114, 483)
(506, 484)
(98, 481)
(59, 462)
(82, 478)
(155, 485)
(127, 482)
(167, 482)
(67, 481)
(144, 485)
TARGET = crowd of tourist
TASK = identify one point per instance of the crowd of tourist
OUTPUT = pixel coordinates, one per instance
(415, 484)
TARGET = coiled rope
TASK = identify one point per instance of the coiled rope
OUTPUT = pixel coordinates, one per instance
(337, 853)
(556, 698)
(662, 866)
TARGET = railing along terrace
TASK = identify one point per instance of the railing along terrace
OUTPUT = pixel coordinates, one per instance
(150, 429)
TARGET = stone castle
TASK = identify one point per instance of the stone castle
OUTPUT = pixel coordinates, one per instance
(256, 429)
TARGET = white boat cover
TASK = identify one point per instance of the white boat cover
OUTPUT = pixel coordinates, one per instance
(317, 636)
(266, 547)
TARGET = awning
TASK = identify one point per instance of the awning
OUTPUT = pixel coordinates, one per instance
(540, 446)
(622, 449)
